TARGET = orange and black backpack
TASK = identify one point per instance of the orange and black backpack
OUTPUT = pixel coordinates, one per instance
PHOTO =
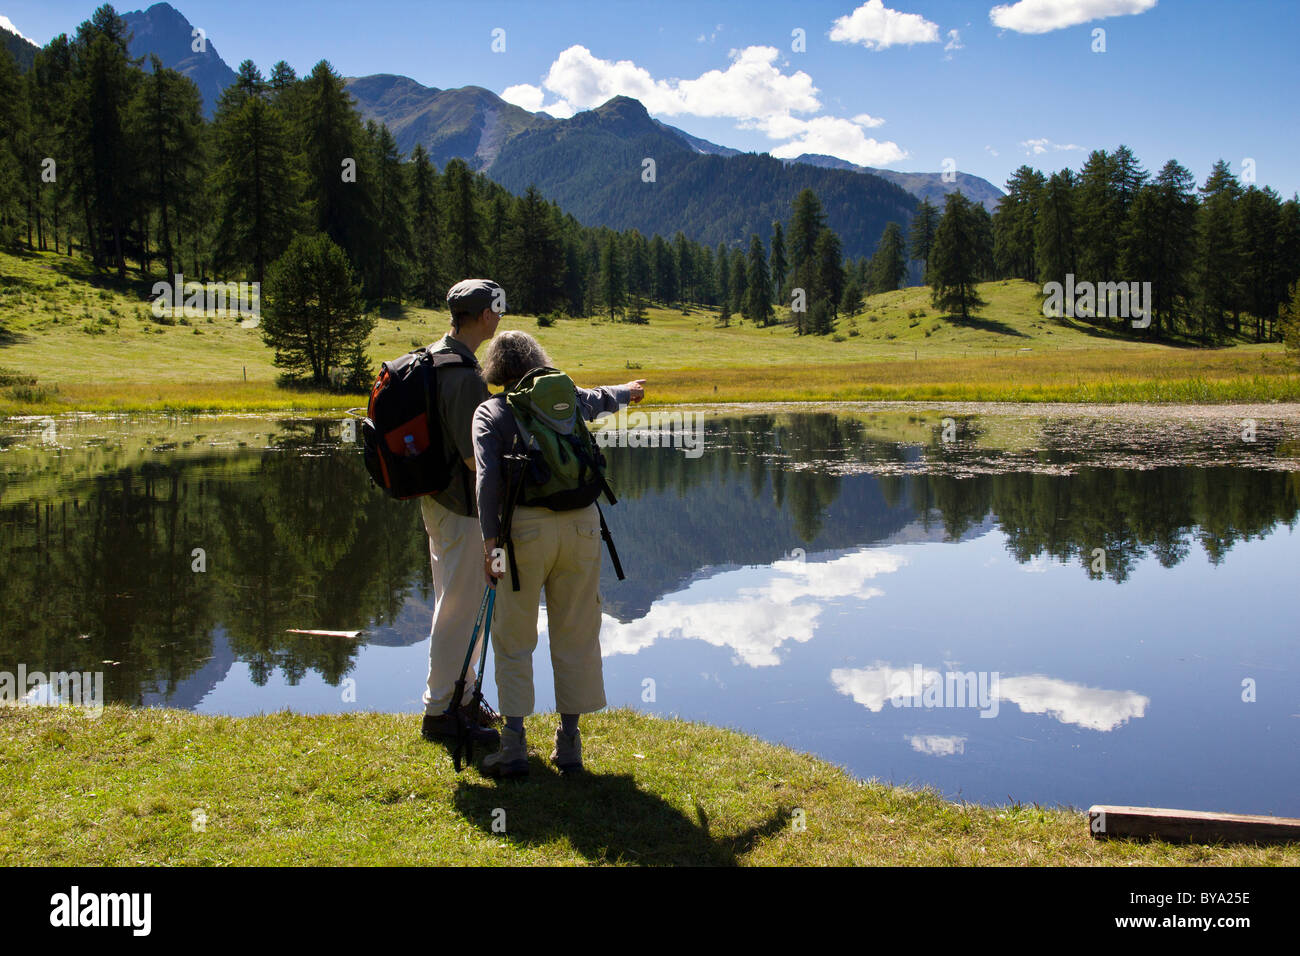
(402, 433)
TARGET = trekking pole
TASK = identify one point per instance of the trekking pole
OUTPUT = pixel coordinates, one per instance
(453, 708)
(477, 699)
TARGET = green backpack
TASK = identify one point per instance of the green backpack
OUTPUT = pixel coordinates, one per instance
(561, 466)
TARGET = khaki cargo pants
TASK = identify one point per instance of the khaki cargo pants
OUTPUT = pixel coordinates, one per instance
(456, 556)
(558, 551)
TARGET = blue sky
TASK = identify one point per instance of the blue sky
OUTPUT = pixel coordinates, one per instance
(880, 82)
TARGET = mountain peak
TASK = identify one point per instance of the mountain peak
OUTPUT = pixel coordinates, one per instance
(623, 108)
(164, 30)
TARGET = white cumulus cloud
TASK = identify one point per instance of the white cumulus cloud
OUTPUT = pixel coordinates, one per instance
(877, 27)
(532, 98)
(1044, 16)
(751, 86)
(832, 136)
(753, 89)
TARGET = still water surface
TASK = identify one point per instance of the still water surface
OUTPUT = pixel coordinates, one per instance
(1073, 609)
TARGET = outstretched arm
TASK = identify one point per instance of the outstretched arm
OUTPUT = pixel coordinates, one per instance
(609, 398)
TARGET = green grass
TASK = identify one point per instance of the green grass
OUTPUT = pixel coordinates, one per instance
(362, 789)
(84, 342)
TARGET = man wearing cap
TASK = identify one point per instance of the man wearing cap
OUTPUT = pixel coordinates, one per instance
(451, 517)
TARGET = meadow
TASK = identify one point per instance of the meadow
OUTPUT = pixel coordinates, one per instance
(74, 341)
(363, 789)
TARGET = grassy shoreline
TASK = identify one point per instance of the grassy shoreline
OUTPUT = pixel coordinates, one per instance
(673, 387)
(168, 787)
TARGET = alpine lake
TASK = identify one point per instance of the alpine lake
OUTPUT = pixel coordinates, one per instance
(1054, 605)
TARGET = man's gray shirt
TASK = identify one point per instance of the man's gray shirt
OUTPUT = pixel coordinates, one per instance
(460, 392)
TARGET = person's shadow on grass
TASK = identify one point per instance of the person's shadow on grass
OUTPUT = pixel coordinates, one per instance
(605, 817)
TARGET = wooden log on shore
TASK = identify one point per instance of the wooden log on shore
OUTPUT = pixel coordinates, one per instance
(1189, 826)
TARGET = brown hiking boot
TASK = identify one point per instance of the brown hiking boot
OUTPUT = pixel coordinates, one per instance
(443, 727)
(485, 715)
(511, 761)
(567, 755)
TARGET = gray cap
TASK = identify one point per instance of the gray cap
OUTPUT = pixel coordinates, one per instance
(475, 295)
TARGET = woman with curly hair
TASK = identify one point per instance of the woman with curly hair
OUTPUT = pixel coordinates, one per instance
(557, 551)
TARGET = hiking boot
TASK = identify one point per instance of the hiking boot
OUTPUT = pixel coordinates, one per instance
(511, 761)
(485, 716)
(444, 727)
(567, 755)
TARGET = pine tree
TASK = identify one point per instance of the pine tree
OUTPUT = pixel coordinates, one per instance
(11, 168)
(758, 284)
(104, 79)
(722, 283)
(1097, 219)
(1054, 246)
(613, 276)
(636, 255)
(166, 128)
(334, 144)
(663, 267)
(535, 257)
(1287, 253)
(50, 92)
(889, 264)
(704, 271)
(1259, 214)
(1014, 224)
(852, 302)
(828, 282)
(1289, 321)
(463, 232)
(494, 232)
(955, 259)
(806, 223)
(312, 316)
(780, 267)
(257, 183)
(985, 263)
(920, 238)
(1218, 251)
(425, 228)
(389, 247)
(1158, 242)
(738, 281)
(685, 267)
(282, 77)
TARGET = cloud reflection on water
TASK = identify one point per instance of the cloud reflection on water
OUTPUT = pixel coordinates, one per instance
(759, 619)
(1092, 708)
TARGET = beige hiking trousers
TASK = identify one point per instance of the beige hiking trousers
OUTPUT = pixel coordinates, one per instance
(558, 551)
(456, 556)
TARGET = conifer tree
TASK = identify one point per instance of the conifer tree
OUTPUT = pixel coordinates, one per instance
(955, 259)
